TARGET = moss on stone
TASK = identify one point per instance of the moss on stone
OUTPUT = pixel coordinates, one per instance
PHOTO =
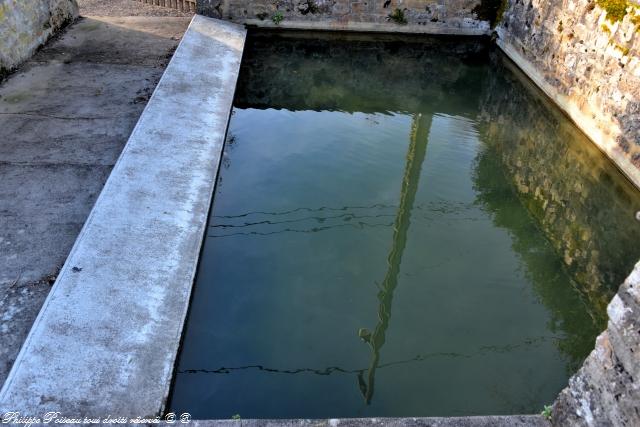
(616, 9)
(623, 49)
(491, 10)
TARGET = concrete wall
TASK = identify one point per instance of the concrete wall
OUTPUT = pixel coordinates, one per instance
(419, 16)
(26, 24)
(588, 61)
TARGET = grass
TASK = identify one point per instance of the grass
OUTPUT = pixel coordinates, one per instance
(546, 412)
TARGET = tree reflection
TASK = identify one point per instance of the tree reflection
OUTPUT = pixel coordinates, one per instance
(417, 150)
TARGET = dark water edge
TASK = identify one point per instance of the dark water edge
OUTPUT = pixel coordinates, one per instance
(403, 226)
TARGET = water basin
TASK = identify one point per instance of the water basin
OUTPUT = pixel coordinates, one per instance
(401, 227)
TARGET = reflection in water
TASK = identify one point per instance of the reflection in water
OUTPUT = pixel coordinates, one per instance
(415, 156)
(362, 371)
(584, 206)
(520, 232)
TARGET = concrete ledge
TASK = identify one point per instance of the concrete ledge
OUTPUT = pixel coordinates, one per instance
(369, 27)
(481, 421)
(106, 339)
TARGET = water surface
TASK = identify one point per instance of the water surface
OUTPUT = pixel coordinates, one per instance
(402, 227)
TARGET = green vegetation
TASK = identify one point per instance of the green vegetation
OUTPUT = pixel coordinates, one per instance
(277, 17)
(491, 10)
(616, 9)
(546, 412)
(235, 417)
(398, 17)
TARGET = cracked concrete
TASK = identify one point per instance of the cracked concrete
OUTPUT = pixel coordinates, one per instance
(65, 116)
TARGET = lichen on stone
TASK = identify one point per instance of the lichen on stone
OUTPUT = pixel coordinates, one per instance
(616, 9)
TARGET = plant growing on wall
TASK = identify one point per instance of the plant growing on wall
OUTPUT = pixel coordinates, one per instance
(277, 17)
(398, 17)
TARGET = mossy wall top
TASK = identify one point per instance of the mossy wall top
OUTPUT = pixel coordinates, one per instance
(27, 24)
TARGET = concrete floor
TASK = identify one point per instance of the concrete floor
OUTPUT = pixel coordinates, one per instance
(65, 116)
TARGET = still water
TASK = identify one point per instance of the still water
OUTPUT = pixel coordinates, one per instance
(402, 227)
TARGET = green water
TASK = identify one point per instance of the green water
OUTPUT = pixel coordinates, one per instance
(402, 227)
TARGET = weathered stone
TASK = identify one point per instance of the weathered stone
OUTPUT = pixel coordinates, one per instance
(210, 8)
(26, 24)
(605, 391)
(587, 63)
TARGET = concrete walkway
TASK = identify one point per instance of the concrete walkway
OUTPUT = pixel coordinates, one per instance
(106, 339)
(64, 118)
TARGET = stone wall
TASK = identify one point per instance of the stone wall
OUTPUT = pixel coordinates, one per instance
(605, 390)
(585, 54)
(468, 17)
(26, 24)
